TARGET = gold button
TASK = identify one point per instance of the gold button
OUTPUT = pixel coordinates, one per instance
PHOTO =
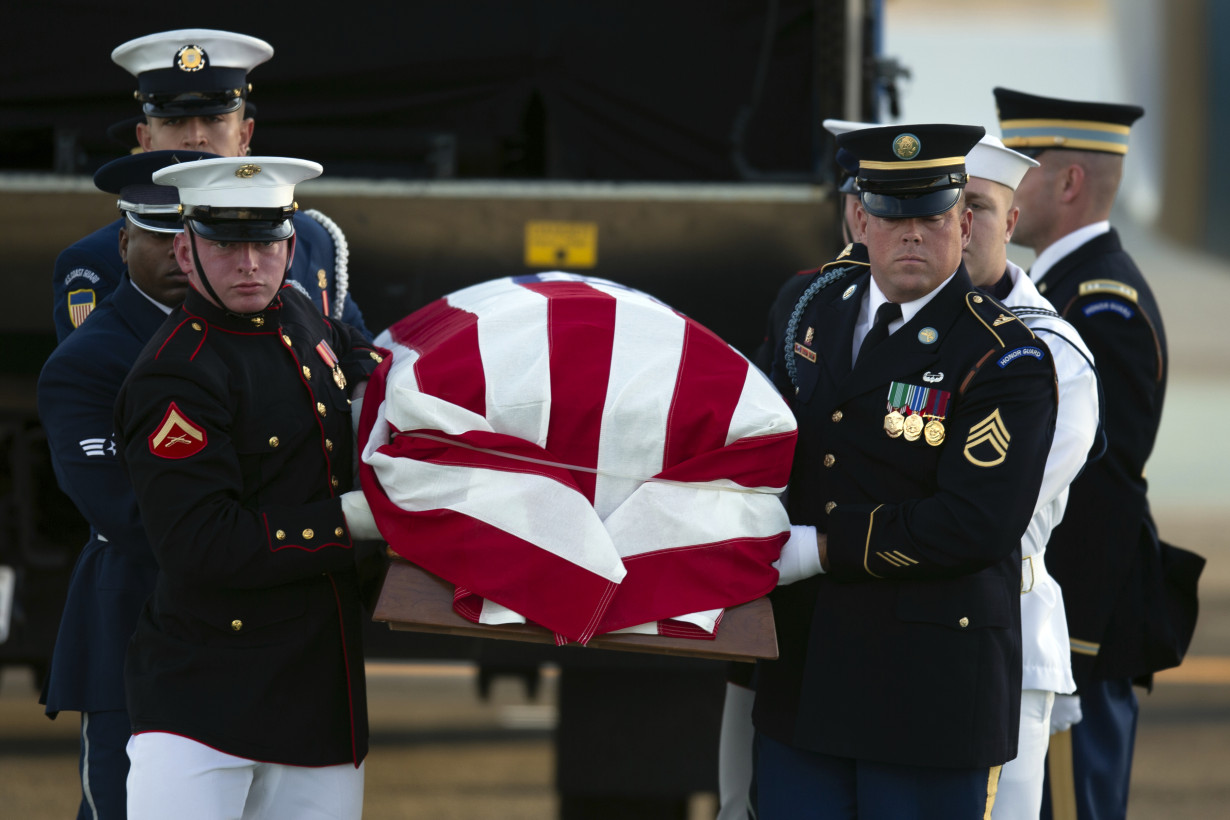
(320, 408)
(236, 624)
(258, 321)
(837, 416)
(829, 459)
(309, 534)
(964, 622)
(281, 535)
(977, 300)
(329, 445)
(285, 340)
(376, 356)
(339, 532)
(196, 325)
(828, 508)
(333, 481)
(322, 279)
(307, 372)
(273, 441)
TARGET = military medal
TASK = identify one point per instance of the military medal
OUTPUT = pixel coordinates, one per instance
(937, 409)
(330, 358)
(913, 426)
(894, 422)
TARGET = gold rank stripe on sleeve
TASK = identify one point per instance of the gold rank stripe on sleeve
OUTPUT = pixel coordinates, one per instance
(897, 558)
(990, 433)
(1108, 286)
(871, 518)
(1084, 647)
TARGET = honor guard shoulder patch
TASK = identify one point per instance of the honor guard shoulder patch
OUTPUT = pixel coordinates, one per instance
(1110, 286)
(1016, 353)
(177, 436)
(1108, 306)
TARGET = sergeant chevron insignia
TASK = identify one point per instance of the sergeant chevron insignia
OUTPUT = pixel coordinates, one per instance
(987, 442)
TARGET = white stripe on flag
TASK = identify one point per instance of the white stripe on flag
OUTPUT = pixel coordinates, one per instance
(648, 346)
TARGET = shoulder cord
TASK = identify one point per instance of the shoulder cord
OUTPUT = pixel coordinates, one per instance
(341, 273)
(792, 326)
(1098, 449)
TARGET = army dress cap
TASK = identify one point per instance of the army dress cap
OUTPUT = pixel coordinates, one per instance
(990, 159)
(239, 199)
(1030, 122)
(146, 204)
(910, 170)
(193, 71)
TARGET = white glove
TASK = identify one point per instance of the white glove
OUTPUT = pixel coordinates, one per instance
(359, 518)
(1066, 713)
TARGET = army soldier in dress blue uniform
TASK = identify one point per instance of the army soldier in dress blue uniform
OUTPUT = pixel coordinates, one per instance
(925, 413)
(77, 388)
(244, 678)
(1105, 554)
(193, 86)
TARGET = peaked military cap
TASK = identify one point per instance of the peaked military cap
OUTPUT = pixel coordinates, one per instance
(239, 199)
(146, 204)
(1030, 122)
(989, 159)
(193, 71)
(910, 170)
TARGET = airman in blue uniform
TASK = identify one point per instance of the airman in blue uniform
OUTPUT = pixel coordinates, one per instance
(76, 395)
(193, 87)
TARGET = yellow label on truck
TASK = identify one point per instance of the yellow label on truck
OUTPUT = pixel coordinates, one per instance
(561, 245)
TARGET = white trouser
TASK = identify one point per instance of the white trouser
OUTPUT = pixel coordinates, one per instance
(173, 777)
(735, 753)
(1020, 781)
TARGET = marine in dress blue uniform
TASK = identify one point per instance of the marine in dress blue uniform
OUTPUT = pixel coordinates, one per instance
(198, 73)
(1130, 598)
(236, 430)
(897, 687)
(115, 571)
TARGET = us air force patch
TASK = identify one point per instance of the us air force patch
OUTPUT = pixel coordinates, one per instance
(987, 442)
(177, 436)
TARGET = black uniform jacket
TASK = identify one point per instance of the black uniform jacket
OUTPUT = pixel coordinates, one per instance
(236, 433)
(1130, 600)
(908, 650)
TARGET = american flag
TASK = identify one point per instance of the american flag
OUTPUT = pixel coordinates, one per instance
(570, 451)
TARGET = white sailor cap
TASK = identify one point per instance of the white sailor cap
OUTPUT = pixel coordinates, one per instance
(990, 159)
(239, 199)
(191, 71)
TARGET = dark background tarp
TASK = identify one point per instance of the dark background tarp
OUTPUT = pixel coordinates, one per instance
(605, 89)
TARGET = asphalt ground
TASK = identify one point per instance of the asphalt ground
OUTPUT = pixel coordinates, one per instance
(441, 752)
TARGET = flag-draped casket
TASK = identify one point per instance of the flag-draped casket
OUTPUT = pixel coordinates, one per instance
(573, 452)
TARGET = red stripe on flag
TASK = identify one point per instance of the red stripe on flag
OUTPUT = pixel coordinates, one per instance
(434, 451)
(707, 389)
(672, 582)
(757, 461)
(548, 590)
(581, 329)
(450, 365)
